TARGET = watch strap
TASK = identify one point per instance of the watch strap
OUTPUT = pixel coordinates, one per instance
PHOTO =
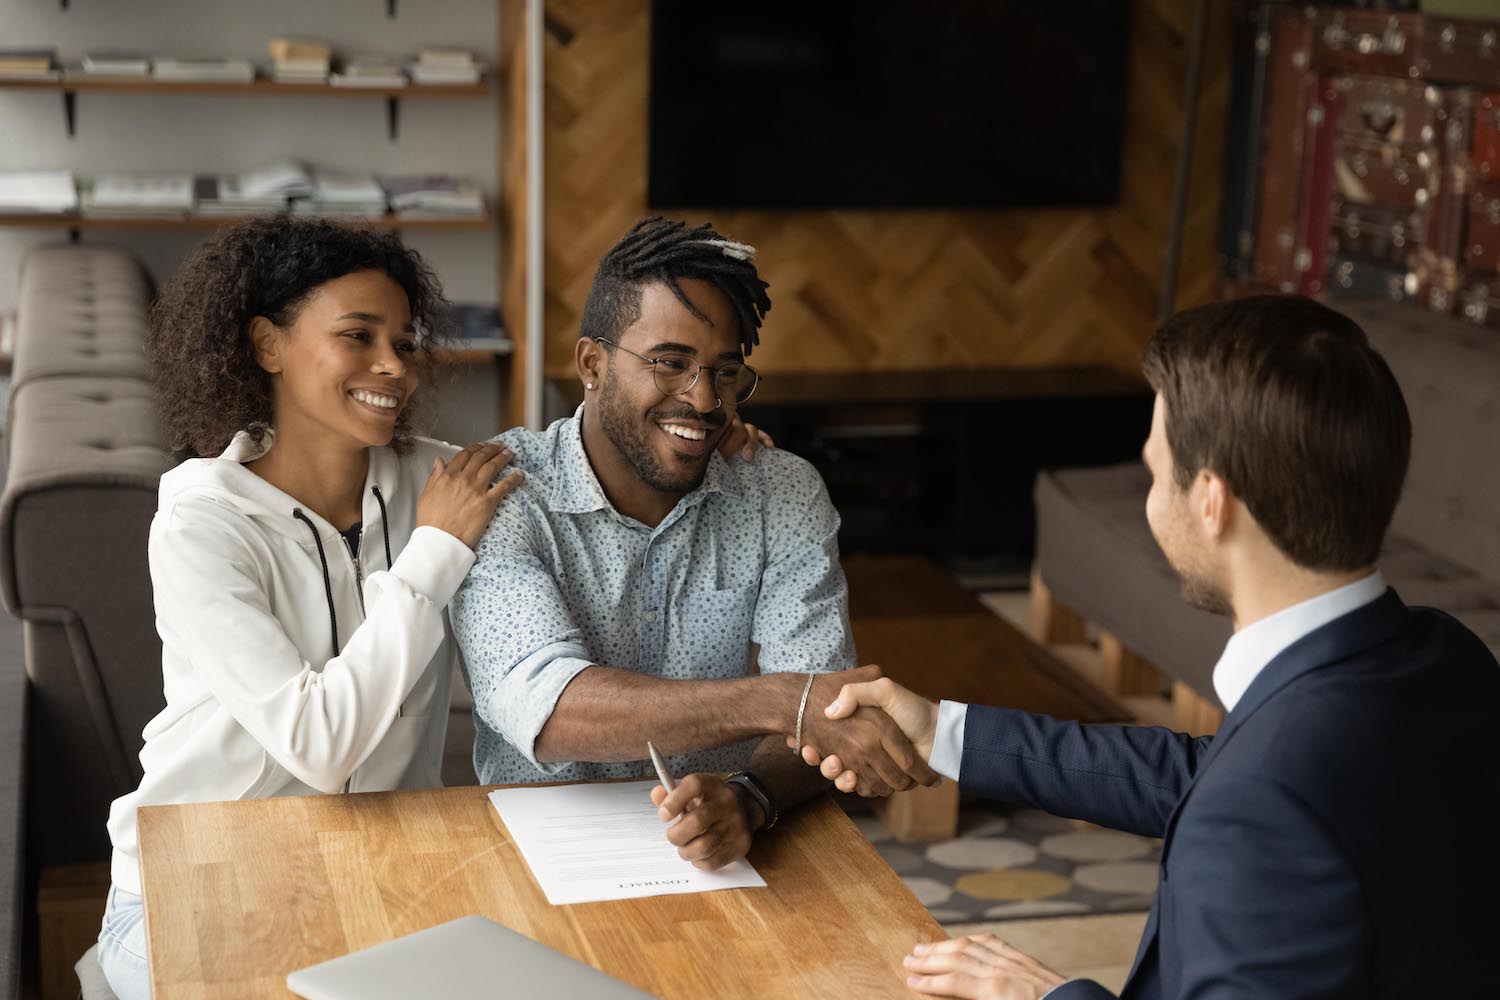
(761, 795)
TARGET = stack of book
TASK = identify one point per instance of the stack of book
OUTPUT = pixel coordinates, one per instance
(445, 66)
(342, 193)
(222, 196)
(299, 62)
(434, 196)
(370, 71)
(37, 191)
(115, 64)
(267, 188)
(135, 195)
(202, 70)
(28, 64)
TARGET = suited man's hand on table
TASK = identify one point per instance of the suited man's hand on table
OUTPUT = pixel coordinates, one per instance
(717, 821)
(876, 756)
(982, 967)
(914, 715)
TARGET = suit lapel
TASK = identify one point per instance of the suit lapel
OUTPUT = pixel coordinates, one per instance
(1363, 628)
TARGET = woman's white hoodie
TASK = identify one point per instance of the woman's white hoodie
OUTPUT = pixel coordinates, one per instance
(289, 670)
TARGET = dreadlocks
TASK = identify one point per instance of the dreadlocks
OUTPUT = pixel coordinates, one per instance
(663, 250)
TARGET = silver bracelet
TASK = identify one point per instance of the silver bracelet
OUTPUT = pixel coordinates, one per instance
(802, 708)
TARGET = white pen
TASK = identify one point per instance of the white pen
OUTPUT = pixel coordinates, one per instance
(665, 776)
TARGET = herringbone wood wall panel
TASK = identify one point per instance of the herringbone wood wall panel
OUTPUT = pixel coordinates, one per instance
(896, 290)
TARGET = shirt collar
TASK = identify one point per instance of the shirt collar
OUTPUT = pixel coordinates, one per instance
(576, 489)
(1251, 648)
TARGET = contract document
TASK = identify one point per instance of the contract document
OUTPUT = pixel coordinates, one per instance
(592, 842)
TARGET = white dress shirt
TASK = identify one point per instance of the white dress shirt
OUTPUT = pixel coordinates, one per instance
(1244, 657)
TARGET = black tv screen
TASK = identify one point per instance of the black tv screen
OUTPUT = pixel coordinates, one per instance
(882, 104)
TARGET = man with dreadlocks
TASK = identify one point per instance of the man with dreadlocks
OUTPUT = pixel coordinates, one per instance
(624, 592)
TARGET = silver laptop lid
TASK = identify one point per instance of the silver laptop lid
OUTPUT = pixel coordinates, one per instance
(467, 957)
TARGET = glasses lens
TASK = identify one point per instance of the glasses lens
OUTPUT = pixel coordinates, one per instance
(674, 373)
(735, 382)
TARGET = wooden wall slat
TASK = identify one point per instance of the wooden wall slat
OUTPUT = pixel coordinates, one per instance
(899, 290)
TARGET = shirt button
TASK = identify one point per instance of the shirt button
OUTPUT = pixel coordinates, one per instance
(651, 616)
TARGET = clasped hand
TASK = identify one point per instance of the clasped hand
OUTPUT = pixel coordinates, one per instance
(865, 736)
(907, 724)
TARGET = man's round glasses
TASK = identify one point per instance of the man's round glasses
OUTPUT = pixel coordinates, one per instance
(676, 374)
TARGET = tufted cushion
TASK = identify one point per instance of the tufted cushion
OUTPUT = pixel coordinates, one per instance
(82, 311)
(1449, 372)
(76, 433)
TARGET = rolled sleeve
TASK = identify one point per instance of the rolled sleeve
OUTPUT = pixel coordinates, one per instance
(520, 646)
(526, 696)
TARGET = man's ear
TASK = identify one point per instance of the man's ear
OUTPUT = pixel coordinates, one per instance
(267, 338)
(589, 357)
(1212, 504)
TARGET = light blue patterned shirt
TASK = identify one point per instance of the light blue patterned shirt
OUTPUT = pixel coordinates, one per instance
(563, 581)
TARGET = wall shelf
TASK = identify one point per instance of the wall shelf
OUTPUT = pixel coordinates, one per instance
(75, 223)
(71, 86)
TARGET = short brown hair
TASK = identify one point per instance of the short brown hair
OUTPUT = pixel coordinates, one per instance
(208, 383)
(1286, 400)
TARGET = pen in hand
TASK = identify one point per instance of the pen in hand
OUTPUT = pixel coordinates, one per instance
(663, 775)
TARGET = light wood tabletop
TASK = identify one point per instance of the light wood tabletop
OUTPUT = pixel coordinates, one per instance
(238, 894)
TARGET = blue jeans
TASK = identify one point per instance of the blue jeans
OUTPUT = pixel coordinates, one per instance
(122, 946)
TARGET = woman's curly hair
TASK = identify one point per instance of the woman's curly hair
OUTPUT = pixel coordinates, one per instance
(209, 385)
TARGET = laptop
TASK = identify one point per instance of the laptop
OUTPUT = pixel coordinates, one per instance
(467, 957)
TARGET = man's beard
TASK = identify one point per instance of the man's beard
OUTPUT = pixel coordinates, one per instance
(632, 440)
(1204, 594)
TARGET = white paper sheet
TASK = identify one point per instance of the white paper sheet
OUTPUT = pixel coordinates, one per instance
(591, 842)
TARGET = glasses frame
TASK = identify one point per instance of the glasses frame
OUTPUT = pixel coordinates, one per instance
(698, 371)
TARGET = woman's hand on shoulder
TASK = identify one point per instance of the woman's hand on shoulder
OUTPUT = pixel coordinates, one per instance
(744, 440)
(462, 493)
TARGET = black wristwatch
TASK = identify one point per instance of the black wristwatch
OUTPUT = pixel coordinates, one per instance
(762, 796)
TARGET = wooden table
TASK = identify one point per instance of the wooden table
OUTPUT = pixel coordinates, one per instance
(930, 635)
(238, 894)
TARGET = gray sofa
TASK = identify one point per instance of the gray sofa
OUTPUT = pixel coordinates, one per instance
(84, 455)
(1096, 555)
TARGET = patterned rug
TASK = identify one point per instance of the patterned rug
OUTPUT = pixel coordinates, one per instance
(1008, 863)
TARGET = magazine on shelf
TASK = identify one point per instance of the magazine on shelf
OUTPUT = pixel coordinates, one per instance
(342, 193)
(136, 195)
(44, 192)
(283, 178)
(107, 63)
(370, 71)
(203, 70)
(420, 195)
(221, 196)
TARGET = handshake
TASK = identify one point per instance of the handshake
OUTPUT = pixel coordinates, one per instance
(873, 737)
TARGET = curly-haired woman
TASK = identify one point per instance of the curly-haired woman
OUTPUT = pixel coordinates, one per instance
(302, 560)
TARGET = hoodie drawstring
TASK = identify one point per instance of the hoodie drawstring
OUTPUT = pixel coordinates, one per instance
(385, 531)
(333, 618)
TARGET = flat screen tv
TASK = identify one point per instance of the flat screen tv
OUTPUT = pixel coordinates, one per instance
(814, 104)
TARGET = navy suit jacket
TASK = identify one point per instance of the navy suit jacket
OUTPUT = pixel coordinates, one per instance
(1338, 837)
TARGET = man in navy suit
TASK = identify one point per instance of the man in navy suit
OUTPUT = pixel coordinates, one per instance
(1338, 837)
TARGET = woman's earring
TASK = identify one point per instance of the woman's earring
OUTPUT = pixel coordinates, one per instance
(589, 385)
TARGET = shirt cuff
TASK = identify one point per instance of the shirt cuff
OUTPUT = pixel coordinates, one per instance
(433, 564)
(948, 739)
(527, 696)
